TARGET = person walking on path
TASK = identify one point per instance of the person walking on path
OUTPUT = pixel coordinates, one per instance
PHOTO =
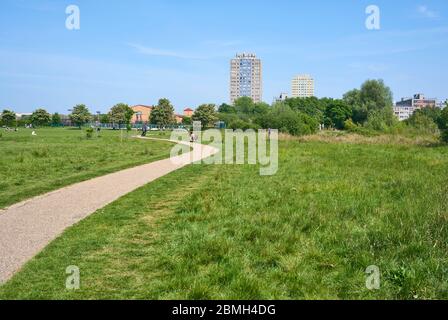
(144, 130)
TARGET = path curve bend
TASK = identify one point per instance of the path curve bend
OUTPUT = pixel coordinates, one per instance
(27, 227)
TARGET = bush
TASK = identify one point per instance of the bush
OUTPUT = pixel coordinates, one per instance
(243, 125)
(349, 125)
(423, 123)
(89, 133)
(286, 120)
(337, 113)
(352, 127)
(444, 136)
(381, 120)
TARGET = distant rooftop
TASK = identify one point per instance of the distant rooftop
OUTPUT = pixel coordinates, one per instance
(245, 55)
(142, 105)
(417, 96)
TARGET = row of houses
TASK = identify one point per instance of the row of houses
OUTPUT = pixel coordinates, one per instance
(142, 114)
(407, 106)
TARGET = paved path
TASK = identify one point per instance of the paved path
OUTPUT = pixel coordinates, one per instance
(27, 227)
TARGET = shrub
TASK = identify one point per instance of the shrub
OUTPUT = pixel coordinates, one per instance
(349, 125)
(89, 133)
(423, 123)
(443, 120)
(241, 124)
(283, 118)
(352, 127)
(381, 120)
(444, 136)
(337, 113)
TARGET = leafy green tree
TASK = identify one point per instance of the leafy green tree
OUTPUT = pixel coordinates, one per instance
(353, 97)
(311, 106)
(373, 95)
(359, 112)
(228, 118)
(444, 136)
(283, 118)
(163, 114)
(337, 113)
(206, 113)
(311, 125)
(376, 95)
(40, 117)
(375, 100)
(244, 105)
(104, 118)
(443, 119)
(121, 113)
(8, 117)
(56, 119)
(80, 115)
(443, 124)
(226, 108)
(381, 119)
(261, 108)
(187, 121)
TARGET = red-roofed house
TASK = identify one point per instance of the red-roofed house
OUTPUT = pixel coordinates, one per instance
(142, 113)
(179, 118)
(188, 112)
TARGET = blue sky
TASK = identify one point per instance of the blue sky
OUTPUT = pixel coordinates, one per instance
(139, 51)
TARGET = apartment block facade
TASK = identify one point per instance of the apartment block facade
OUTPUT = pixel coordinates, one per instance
(302, 86)
(246, 77)
(419, 101)
(405, 108)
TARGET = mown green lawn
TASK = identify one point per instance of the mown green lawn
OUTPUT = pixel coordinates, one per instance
(32, 165)
(225, 232)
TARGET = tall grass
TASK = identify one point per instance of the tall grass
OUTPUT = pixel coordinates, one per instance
(225, 232)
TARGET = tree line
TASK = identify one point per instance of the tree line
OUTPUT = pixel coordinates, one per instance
(121, 114)
(366, 110)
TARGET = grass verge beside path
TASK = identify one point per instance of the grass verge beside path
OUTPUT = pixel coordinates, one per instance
(59, 157)
(114, 248)
(224, 232)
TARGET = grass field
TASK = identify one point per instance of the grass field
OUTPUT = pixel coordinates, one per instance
(225, 232)
(32, 165)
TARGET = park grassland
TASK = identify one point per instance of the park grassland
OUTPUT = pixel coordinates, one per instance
(56, 157)
(225, 232)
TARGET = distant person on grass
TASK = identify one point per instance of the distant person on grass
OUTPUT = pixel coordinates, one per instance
(144, 130)
(193, 137)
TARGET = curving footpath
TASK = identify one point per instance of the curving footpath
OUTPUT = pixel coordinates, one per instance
(27, 227)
